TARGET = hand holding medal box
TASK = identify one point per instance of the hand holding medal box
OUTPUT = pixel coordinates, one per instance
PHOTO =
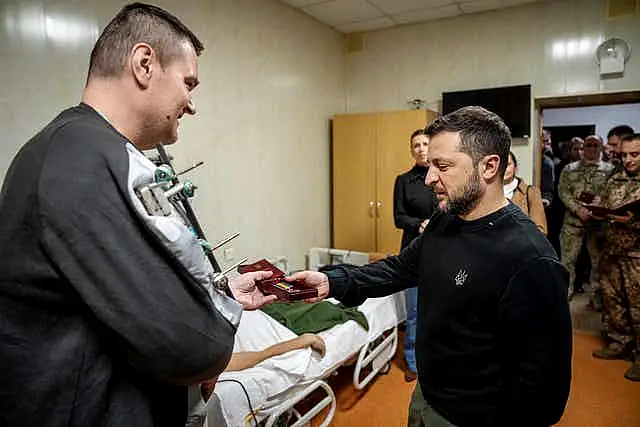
(276, 285)
(603, 212)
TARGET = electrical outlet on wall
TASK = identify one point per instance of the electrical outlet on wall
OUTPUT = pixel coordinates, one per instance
(229, 254)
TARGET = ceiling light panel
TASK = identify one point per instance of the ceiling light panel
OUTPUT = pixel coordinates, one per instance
(373, 24)
(338, 12)
(483, 5)
(394, 7)
(427, 14)
(304, 3)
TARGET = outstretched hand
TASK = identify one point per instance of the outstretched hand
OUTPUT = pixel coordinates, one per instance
(246, 292)
(312, 279)
(623, 219)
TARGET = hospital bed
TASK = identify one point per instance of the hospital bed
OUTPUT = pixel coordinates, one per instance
(275, 387)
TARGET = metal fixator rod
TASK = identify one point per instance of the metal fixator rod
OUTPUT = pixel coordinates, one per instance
(189, 169)
(224, 242)
(191, 216)
(234, 266)
(174, 190)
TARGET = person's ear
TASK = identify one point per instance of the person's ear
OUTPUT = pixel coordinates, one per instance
(490, 167)
(142, 64)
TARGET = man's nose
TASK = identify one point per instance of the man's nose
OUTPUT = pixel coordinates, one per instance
(191, 108)
(431, 178)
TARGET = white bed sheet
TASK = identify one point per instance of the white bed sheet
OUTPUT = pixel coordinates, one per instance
(343, 341)
(268, 382)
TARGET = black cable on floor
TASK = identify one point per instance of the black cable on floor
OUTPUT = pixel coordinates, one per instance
(253, 414)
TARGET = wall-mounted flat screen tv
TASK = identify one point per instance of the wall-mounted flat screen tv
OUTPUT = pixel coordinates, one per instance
(512, 103)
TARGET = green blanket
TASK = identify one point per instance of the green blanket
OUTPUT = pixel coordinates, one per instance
(302, 317)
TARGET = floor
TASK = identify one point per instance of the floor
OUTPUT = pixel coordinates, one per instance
(600, 396)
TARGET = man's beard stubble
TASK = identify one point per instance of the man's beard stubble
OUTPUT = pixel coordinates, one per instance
(467, 198)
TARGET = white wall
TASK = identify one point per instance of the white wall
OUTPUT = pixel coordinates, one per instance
(499, 48)
(604, 117)
(271, 79)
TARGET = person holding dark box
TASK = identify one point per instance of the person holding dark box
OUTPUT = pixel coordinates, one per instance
(494, 337)
(580, 182)
(107, 318)
(619, 266)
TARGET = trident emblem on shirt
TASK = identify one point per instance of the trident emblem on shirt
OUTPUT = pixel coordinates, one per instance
(461, 277)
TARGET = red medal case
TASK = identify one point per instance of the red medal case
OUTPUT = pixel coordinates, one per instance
(276, 285)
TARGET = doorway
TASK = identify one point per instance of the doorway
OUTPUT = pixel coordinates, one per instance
(578, 116)
(565, 133)
(573, 101)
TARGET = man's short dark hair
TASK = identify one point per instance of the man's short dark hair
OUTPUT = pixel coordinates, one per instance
(620, 131)
(482, 133)
(139, 23)
(630, 137)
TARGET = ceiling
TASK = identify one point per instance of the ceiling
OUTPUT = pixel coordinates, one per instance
(352, 16)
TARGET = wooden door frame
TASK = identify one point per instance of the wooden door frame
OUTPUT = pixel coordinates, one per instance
(573, 101)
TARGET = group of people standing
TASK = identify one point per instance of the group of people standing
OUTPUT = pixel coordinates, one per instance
(104, 319)
(605, 174)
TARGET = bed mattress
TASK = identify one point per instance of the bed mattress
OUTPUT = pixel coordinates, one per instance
(278, 378)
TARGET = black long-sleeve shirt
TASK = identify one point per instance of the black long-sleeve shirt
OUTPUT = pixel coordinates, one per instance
(494, 335)
(413, 202)
(99, 323)
(548, 180)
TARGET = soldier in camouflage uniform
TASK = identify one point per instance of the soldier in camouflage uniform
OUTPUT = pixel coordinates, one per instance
(584, 178)
(611, 151)
(619, 267)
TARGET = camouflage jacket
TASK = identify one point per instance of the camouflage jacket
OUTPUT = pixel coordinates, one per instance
(578, 178)
(622, 239)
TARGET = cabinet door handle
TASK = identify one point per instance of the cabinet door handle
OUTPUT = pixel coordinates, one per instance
(372, 206)
(378, 206)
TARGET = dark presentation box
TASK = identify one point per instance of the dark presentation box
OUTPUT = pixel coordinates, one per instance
(276, 285)
(624, 210)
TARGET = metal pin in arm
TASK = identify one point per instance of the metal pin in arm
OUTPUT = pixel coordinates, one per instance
(189, 169)
(208, 247)
(190, 214)
(220, 280)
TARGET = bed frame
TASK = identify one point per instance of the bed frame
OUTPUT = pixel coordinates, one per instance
(373, 358)
(288, 406)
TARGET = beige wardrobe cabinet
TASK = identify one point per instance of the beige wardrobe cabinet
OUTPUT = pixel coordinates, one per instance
(368, 152)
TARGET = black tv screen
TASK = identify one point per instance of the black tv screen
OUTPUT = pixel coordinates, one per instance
(512, 103)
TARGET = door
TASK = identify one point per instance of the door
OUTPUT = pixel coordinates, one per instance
(393, 158)
(353, 151)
